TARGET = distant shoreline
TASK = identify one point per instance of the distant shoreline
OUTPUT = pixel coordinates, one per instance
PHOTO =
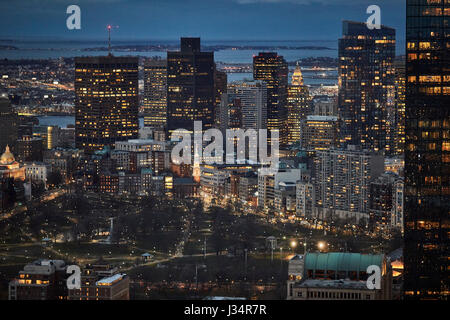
(150, 48)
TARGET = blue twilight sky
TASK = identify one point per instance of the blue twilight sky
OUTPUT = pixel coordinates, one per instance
(209, 19)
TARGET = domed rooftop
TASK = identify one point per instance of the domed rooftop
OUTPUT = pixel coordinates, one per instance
(7, 157)
(297, 77)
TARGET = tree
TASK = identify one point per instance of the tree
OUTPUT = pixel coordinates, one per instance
(37, 189)
(54, 179)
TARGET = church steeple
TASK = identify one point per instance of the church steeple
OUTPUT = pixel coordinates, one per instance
(297, 77)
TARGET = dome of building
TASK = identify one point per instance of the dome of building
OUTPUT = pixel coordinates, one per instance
(7, 157)
(297, 77)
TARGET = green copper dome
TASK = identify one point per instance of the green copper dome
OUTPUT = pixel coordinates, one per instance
(342, 262)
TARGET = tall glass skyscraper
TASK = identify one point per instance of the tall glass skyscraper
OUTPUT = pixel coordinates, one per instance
(272, 69)
(366, 85)
(106, 102)
(220, 87)
(190, 86)
(427, 150)
(398, 134)
(298, 105)
(155, 94)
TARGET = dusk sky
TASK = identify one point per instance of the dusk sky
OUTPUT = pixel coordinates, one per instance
(209, 19)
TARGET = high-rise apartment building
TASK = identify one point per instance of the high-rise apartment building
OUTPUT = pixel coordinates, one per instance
(273, 70)
(252, 97)
(427, 151)
(343, 177)
(106, 103)
(298, 105)
(155, 94)
(383, 201)
(366, 85)
(190, 86)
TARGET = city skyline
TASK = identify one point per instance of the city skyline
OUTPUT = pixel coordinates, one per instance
(137, 170)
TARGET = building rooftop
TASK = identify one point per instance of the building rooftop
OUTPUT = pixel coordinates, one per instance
(110, 280)
(321, 118)
(223, 298)
(142, 141)
(342, 261)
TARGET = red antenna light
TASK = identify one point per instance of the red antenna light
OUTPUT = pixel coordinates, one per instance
(109, 27)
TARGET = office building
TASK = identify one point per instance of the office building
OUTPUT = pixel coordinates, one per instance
(37, 172)
(427, 151)
(398, 132)
(298, 105)
(319, 132)
(40, 280)
(106, 103)
(273, 70)
(155, 94)
(48, 134)
(29, 149)
(220, 87)
(190, 86)
(366, 86)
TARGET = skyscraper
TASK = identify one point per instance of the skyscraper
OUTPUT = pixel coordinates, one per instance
(427, 151)
(366, 85)
(220, 87)
(190, 86)
(106, 103)
(298, 106)
(252, 97)
(8, 124)
(342, 180)
(155, 94)
(272, 69)
(399, 122)
(319, 132)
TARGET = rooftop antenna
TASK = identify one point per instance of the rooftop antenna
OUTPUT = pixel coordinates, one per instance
(109, 39)
(109, 27)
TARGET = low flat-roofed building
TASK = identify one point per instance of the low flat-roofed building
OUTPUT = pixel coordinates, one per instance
(41, 280)
(37, 171)
(337, 276)
(115, 287)
(312, 289)
(102, 281)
